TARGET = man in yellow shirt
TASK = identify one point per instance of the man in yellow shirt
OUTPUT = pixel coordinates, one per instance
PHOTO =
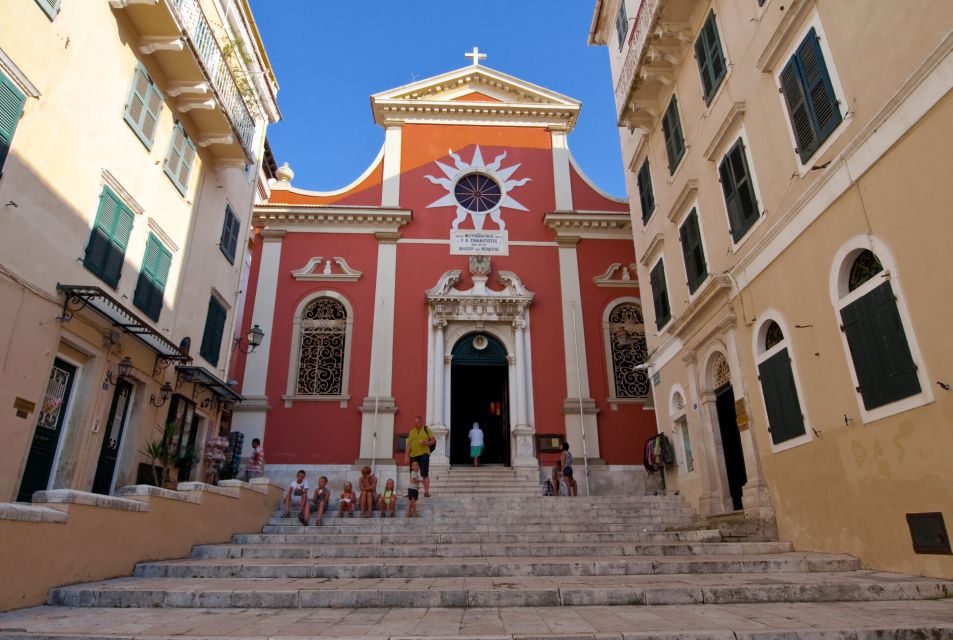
(419, 441)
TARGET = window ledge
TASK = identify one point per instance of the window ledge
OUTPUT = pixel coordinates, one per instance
(291, 399)
(615, 402)
(903, 405)
(793, 443)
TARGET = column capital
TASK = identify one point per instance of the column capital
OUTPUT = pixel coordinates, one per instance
(519, 324)
(439, 324)
(273, 235)
(387, 237)
(567, 242)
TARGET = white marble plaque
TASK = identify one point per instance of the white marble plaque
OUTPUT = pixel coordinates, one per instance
(467, 242)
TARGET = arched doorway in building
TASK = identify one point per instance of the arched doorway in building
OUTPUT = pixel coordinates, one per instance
(479, 388)
(734, 459)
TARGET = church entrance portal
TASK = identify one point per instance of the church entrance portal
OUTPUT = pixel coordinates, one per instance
(479, 393)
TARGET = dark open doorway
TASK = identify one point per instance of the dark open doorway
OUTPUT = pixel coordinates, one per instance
(731, 443)
(479, 393)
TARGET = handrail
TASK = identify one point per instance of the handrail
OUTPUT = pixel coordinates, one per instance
(196, 27)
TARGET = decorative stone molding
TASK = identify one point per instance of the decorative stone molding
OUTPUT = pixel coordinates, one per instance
(479, 303)
(716, 288)
(571, 406)
(685, 197)
(728, 126)
(378, 405)
(790, 21)
(589, 224)
(219, 138)
(356, 219)
(344, 272)
(185, 105)
(625, 276)
(651, 249)
(175, 89)
(160, 232)
(151, 44)
(126, 197)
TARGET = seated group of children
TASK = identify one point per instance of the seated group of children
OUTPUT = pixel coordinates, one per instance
(366, 498)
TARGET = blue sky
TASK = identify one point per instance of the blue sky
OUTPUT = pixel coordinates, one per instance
(330, 55)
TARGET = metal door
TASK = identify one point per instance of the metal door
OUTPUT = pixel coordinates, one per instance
(112, 439)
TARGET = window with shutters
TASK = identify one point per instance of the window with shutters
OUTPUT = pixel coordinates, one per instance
(626, 349)
(646, 194)
(710, 58)
(178, 166)
(152, 278)
(11, 108)
(779, 387)
(50, 7)
(621, 24)
(880, 352)
(737, 185)
(143, 107)
(696, 269)
(106, 249)
(672, 131)
(663, 311)
(231, 229)
(214, 330)
(813, 107)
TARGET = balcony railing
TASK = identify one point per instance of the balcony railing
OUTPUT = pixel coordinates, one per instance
(195, 25)
(644, 20)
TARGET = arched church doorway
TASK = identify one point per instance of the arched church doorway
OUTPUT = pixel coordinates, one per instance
(479, 393)
(728, 427)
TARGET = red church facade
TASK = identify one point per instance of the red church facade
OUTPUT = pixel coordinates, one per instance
(472, 274)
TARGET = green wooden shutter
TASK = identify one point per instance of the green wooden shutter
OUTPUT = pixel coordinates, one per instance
(214, 329)
(11, 108)
(672, 131)
(879, 349)
(660, 294)
(50, 7)
(143, 107)
(785, 419)
(152, 278)
(109, 238)
(710, 58)
(696, 268)
(825, 111)
(646, 194)
(178, 164)
(738, 189)
(231, 228)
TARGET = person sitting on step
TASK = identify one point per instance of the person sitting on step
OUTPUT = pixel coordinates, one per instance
(387, 503)
(347, 501)
(368, 488)
(297, 496)
(322, 496)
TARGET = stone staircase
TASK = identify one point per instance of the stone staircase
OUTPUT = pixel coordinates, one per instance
(501, 566)
(484, 480)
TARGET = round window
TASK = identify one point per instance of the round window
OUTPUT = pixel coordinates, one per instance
(477, 193)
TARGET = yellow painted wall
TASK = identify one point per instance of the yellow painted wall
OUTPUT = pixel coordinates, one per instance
(97, 543)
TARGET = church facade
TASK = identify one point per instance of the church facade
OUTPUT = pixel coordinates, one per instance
(471, 274)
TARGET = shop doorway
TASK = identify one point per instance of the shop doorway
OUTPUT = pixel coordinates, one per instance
(112, 439)
(731, 443)
(479, 386)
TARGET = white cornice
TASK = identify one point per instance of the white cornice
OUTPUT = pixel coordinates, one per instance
(332, 219)
(589, 224)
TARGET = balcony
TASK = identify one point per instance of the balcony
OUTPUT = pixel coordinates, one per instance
(178, 36)
(659, 39)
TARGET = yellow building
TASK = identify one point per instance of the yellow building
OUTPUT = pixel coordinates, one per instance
(132, 135)
(787, 164)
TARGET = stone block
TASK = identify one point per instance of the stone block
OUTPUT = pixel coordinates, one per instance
(72, 496)
(31, 513)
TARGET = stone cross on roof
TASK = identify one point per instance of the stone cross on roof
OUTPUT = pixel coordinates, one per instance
(476, 55)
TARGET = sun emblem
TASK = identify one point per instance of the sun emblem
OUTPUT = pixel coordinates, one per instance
(478, 189)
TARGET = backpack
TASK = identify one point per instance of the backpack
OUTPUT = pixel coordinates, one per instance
(429, 436)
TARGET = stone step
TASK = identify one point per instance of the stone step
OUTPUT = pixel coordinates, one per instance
(422, 525)
(904, 620)
(497, 567)
(517, 591)
(485, 551)
(640, 524)
(301, 535)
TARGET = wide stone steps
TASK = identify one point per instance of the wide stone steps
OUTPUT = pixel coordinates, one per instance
(538, 537)
(493, 550)
(516, 591)
(496, 567)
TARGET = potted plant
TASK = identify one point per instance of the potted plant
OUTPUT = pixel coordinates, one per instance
(160, 454)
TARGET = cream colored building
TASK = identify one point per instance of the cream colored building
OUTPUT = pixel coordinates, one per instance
(131, 140)
(787, 165)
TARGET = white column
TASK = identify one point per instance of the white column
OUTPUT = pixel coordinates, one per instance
(561, 170)
(377, 409)
(440, 456)
(524, 454)
(250, 415)
(576, 361)
(390, 190)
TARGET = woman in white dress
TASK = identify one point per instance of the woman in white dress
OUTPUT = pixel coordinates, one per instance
(476, 443)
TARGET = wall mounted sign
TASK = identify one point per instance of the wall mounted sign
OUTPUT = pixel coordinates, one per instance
(23, 407)
(741, 416)
(465, 242)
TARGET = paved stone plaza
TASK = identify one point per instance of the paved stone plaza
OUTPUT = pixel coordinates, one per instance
(504, 566)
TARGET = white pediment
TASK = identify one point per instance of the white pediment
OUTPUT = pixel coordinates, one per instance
(444, 97)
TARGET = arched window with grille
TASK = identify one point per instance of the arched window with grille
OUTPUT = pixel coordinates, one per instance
(878, 339)
(779, 385)
(321, 349)
(626, 350)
